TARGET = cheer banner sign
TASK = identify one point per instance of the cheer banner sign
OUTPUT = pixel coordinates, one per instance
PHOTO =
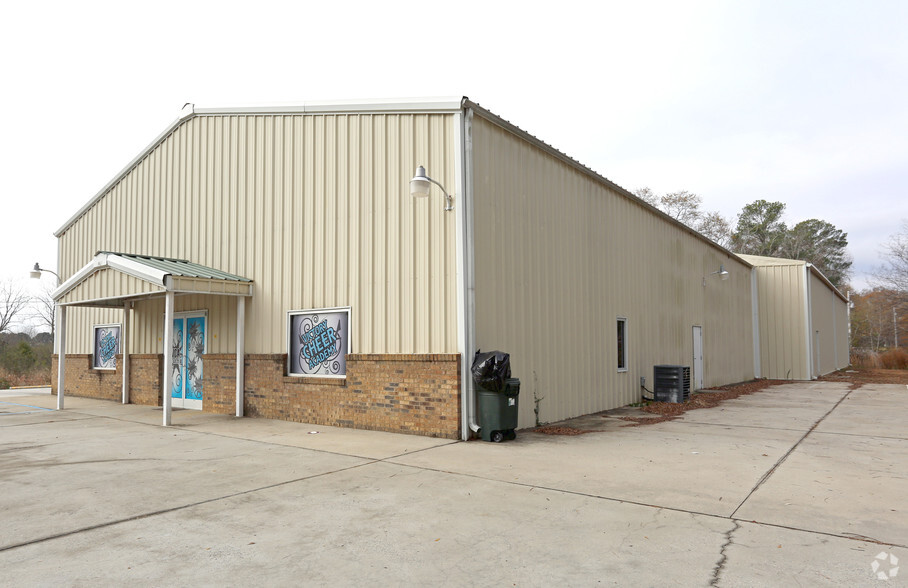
(319, 342)
(106, 347)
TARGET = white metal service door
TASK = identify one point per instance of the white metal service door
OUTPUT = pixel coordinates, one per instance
(698, 358)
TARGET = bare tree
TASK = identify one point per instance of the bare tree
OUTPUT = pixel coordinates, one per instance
(685, 207)
(13, 301)
(715, 227)
(647, 196)
(894, 273)
(868, 319)
(44, 310)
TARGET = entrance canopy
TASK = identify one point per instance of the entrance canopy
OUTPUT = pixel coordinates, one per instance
(116, 280)
(111, 278)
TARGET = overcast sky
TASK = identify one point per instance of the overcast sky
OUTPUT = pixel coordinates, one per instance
(800, 102)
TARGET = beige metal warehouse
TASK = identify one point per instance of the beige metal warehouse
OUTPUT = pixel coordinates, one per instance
(800, 320)
(586, 286)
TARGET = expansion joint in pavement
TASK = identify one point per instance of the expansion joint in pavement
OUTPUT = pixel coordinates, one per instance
(782, 459)
(177, 508)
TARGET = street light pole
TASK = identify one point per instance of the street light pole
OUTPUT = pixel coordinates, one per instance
(59, 334)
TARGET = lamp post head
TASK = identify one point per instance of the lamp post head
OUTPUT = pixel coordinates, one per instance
(723, 274)
(420, 185)
(36, 272)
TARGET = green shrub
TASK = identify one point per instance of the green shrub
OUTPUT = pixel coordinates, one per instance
(18, 358)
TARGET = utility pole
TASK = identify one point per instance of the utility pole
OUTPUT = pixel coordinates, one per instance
(895, 329)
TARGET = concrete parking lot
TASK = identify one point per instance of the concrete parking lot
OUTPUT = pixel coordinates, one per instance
(799, 484)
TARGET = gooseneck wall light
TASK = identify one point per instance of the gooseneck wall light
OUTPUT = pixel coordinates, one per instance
(421, 185)
(36, 273)
(723, 274)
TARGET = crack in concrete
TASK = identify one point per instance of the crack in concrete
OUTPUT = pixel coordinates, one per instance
(723, 556)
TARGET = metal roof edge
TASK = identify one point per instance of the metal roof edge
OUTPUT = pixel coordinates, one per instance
(813, 269)
(119, 176)
(441, 104)
(137, 269)
(104, 260)
(96, 263)
(415, 105)
(507, 125)
(795, 263)
(757, 259)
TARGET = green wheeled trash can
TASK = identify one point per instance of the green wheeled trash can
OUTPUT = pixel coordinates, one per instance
(498, 411)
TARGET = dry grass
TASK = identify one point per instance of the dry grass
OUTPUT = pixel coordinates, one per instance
(857, 377)
(895, 359)
(864, 358)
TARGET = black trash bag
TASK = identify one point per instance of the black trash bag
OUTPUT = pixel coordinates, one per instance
(491, 370)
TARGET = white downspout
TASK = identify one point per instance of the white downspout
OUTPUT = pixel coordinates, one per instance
(466, 297)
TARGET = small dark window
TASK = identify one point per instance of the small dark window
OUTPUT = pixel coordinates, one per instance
(622, 345)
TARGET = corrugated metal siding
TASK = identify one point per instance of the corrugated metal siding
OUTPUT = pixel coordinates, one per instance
(829, 317)
(108, 283)
(783, 332)
(146, 334)
(559, 256)
(314, 208)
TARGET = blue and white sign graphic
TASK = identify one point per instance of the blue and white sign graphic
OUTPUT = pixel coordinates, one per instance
(106, 347)
(319, 342)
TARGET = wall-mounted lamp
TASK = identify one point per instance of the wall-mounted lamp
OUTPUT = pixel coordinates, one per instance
(421, 185)
(36, 273)
(723, 274)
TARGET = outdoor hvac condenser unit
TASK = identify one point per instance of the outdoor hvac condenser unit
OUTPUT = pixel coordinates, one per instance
(671, 383)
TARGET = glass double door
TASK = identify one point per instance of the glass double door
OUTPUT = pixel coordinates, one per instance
(188, 346)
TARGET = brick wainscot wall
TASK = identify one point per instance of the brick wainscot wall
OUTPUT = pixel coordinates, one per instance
(401, 393)
(417, 394)
(146, 376)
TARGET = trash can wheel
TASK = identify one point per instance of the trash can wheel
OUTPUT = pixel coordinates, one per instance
(497, 436)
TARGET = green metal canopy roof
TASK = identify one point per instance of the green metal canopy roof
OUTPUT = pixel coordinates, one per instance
(180, 267)
(144, 276)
